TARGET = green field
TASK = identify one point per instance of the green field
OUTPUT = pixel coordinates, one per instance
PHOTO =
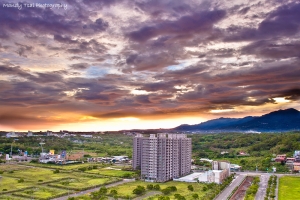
(42, 182)
(9, 184)
(66, 167)
(82, 182)
(126, 189)
(33, 175)
(42, 192)
(289, 188)
(11, 167)
(112, 172)
(9, 197)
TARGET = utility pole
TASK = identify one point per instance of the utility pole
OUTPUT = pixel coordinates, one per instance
(11, 148)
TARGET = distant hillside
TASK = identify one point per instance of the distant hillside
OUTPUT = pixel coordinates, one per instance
(281, 120)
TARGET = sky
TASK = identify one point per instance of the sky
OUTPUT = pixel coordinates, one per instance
(100, 65)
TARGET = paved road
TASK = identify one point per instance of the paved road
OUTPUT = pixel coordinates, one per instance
(263, 184)
(94, 189)
(227, 191)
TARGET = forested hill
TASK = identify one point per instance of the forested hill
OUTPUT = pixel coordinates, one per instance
(281, 120)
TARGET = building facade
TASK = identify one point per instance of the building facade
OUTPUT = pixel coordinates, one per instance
(220, 171)
(162, 157)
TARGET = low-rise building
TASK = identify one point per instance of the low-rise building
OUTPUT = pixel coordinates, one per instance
(12, 135)
(281, 158)
(219, 172)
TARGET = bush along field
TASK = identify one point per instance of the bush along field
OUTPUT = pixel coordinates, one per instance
(158, 191)
(272, 183)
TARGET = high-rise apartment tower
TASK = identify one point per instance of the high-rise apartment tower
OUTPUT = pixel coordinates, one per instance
(162, 157)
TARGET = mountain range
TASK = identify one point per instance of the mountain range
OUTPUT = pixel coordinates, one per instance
(277, 121)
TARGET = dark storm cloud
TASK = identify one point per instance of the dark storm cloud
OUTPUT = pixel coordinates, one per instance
(24, 93)
(66, 39)
(158, 8)
(150, 62)
(84, 47)
(99, 25)
(36, 21)
(270, 50)
(23, 49)
(281, 22)
(54, 76)
(185, 26)
(163, 86)
(236, 87)
(3, 48)
(142, 99)
(80, 66)
(292, 94)
(99, 3)
(43, 21)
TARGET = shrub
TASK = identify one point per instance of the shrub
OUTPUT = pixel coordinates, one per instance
(179, 197)
(83, 169)
(40, 180)
(113, 192)
(190, 188)
(21, 180)
(173, 188)
(56, 171)
(166, 191)
(4, 189)
(102, 190)
(139, 190)
(150, 187)
(11, 171)
(195, 196)
(156, 187)
(163, 198)
(126, 175)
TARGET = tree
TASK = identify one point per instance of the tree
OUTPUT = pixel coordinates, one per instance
(190, 188)
(163, 198)
(173, 188)
(103, 191)
(179, 197)
(195, 196)
(150, 187)
(113, 192)
(156, 187)
(166, 191)
(139, 190)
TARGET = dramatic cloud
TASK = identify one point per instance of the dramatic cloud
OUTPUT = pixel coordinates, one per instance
(108, 64)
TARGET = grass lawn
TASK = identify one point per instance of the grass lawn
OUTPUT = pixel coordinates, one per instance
(126, 189)
(289, 188)
(82, 182)
(42, 192)
(8, 197)
(11, 167)
(9, 184)
(111, 172)
(65, 167)
(33, 175)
